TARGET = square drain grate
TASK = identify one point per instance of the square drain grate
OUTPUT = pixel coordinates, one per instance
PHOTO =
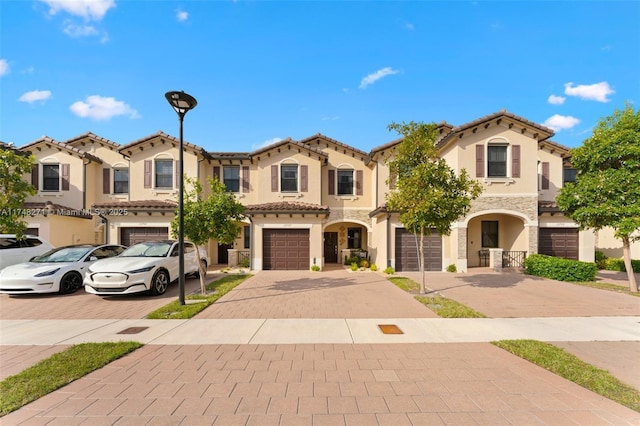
(390, 329)
(133, 330)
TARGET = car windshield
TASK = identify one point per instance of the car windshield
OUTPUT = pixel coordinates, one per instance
(63, 254)
(155, 249)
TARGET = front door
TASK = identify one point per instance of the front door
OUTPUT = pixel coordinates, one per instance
(331, 247)
(223, 254)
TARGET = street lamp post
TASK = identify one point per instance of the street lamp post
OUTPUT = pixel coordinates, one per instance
(181, 103)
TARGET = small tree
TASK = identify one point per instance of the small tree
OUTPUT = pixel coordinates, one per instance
(14, 190)
(214, 217)
(607, 188)
(428, 193)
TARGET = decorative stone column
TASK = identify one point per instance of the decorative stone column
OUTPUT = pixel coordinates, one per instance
(495, 259)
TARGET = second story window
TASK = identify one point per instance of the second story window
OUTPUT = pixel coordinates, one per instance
(497, 161)
(345, 182)
(164, 173)
(120, 180)
(569, 175)
(231, 176)
(289, 178)
(51, 177)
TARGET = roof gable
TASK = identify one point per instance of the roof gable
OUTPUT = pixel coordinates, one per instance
(163, 138)
(501, 118)
(48, 142)
(288, 144)
(82, 139)
(318, 139)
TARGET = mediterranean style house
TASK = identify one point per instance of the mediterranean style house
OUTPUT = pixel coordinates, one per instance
(314, 201)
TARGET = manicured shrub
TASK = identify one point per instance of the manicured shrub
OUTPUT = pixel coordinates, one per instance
(559, 269)
(600, 259)
(611, 264)
(389, 270)
(354, 266)
(452, 268)
(315, 268)
(364, 263)
(373, 267)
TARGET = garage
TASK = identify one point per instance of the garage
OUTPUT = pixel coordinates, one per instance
(285, 249)
(407, 251)
(134, 235)
(559, 242)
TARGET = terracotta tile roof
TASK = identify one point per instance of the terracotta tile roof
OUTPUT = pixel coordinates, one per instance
(564, 150)
(93, 136)
(4, 145)
(286, 207)
(502, 114)
(46, 140)
(307, 141)
(286, 142)
(229, 155)
(443, 127)
(162, 135)
(139, 205)
(40, 208)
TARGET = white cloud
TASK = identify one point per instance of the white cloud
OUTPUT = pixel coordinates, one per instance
(556, 100)
(373, 77)
(4, 67)
(35, 95)
(88, 9)
(590, 92)
(181, 15)
(560, 122)
(73, 30)
(266, 143)
(102, 108)
(28, 70)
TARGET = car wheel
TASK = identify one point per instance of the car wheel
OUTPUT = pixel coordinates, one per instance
(70, 282)
(159, 283)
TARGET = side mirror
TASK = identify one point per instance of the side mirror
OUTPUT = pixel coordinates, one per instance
(92, 258)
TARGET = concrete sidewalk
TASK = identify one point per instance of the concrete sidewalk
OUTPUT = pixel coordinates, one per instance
(317, 331)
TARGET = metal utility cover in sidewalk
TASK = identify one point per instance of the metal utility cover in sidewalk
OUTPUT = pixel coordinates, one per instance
(390, 329)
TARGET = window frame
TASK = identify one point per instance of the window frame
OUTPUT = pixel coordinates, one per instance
(340, 185)
(571, 171)
(293, 180)
(487, 235)
(230, 180)
(352, 238)
(116, 181)
(491, 147)
(45, 178)
(166, 176)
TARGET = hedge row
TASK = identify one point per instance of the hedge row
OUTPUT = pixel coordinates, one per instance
(557, 268)
(615, 264)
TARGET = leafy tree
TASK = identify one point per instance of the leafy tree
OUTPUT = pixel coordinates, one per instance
(214, 217)
(428, 193)
(14, 189)
(607, 188)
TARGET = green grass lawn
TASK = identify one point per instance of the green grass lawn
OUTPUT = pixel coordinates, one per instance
(607, 286)
(58, 370)
(197, 303)
(443, 307)
(572, 368)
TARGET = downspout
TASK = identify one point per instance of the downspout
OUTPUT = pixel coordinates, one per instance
(251, 239)
(388, 238)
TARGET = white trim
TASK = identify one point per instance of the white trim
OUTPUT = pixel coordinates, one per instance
(522, 216)
(344, 221)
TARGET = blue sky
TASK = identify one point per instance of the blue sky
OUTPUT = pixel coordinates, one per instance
(263, 71)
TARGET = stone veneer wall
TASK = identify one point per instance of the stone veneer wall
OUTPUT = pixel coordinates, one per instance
(526, 205)
(361, 215)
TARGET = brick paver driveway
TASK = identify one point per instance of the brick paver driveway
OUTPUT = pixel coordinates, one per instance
(304, 294)
(82, 305)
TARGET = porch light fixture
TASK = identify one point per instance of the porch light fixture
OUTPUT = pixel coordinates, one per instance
(181, 103)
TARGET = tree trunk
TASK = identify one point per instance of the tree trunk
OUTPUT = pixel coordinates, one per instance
(203, 289)
(421, 251)
(626, 255)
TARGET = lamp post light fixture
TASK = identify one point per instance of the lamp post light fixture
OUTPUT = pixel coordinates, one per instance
(181, 103)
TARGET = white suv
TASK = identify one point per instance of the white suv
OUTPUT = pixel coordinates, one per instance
(14, 250)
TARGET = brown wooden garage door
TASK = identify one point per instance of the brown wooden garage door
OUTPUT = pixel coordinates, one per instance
(559, 242)
(285, 249)
(407, 251)
(130, 236)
